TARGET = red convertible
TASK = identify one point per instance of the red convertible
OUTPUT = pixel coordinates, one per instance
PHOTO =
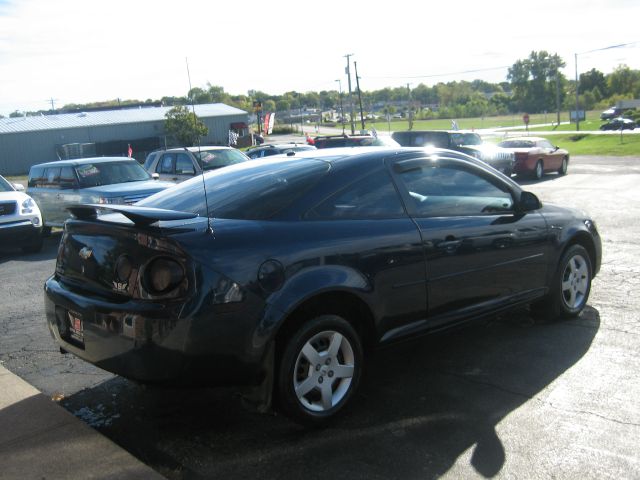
(536, 156)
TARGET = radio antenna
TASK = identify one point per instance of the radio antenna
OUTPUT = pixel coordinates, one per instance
(195, 125)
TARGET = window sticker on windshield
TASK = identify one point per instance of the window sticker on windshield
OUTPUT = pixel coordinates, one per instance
(87, 170)
(208, 157)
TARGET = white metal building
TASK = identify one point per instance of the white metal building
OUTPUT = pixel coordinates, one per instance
(25, 141)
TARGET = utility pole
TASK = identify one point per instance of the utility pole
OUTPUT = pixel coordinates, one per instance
(348, 71)
(355, 66)
(341, 109)
(577, 85)
(53, 106)
(410, 110)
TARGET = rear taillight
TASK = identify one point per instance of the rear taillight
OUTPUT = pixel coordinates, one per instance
(163, 275)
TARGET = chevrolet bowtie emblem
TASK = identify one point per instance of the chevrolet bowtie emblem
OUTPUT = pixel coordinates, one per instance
(85, 253)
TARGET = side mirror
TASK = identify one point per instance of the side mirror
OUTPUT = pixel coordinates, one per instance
(155, 176)
(19, 187)
(529, 202)
(556, 148)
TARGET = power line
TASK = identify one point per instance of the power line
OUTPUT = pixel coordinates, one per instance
(442, 74)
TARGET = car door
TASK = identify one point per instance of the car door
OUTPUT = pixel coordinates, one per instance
(552, 157)
(368, 215)
(51, 198)
(481, 253)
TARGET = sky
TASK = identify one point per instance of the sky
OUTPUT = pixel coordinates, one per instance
(79, 51)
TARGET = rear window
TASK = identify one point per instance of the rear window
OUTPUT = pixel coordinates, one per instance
(517, 144)
(108, 173)
(217, 158)
(422, 139)
(249, 191)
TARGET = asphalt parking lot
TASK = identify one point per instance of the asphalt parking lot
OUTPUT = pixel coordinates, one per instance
(508, 398)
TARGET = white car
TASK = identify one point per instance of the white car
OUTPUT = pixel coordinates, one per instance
(20, 218)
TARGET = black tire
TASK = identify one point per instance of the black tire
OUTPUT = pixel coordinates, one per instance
(563, 166)
(570, 286)
(538, 171)
(327, 391)
(34, 246)
(46, 231)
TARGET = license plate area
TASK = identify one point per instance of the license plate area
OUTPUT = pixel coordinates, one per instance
(70, 326)
(76, 327)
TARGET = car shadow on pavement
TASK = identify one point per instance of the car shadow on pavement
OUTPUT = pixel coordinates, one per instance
(48, 252)
(421, 406)
(523, 181)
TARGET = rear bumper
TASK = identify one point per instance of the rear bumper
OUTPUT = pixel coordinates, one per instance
(145, 341)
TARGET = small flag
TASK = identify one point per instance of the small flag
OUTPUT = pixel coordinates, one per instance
(129, 150)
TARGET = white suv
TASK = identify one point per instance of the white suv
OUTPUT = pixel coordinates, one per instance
(20, 218)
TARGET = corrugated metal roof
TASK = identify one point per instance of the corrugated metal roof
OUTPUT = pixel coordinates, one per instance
(107, 117)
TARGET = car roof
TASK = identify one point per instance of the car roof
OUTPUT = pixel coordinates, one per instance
(267, 146)
(520, 139)
(83, 161)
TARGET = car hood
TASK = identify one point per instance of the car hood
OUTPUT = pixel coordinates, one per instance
(143, 186)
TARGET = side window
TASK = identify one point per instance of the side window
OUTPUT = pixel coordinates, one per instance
(445, 191)
(149, 160)
(165, 165)
(67, 177)
(184, 165)
(36, 177)
(52, 175)
(373, 196)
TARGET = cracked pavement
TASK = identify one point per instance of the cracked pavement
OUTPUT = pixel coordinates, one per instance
(509, 397)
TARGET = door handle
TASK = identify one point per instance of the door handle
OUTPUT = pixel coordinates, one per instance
(450, 244)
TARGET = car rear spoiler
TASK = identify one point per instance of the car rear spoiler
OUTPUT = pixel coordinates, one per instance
(143, 216)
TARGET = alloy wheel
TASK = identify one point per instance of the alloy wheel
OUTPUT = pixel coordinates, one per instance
(324, 371)
(575, 282)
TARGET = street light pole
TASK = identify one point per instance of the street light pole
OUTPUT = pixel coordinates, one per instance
(341, 109)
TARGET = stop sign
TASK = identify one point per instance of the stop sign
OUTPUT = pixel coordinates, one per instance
(525, 118)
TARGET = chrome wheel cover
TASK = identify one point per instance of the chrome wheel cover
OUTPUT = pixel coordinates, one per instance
(539, 170)
(323, 371)
(575, 282)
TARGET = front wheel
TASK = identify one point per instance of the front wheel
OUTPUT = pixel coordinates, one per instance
(319, 370)
(563, 167)
(570, 287)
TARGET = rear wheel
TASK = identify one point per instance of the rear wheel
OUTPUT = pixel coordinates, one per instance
(319, 370)
(539, 170)
(563, 167)
(570, 287)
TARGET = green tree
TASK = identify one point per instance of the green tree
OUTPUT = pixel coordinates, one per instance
(533, 81)
(185, 126)
(624, 81)
(593, 79)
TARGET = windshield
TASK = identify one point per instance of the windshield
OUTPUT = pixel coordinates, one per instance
(217, 158)
(516, 144)
(5, 186)
(108, 173)
(249, 191)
